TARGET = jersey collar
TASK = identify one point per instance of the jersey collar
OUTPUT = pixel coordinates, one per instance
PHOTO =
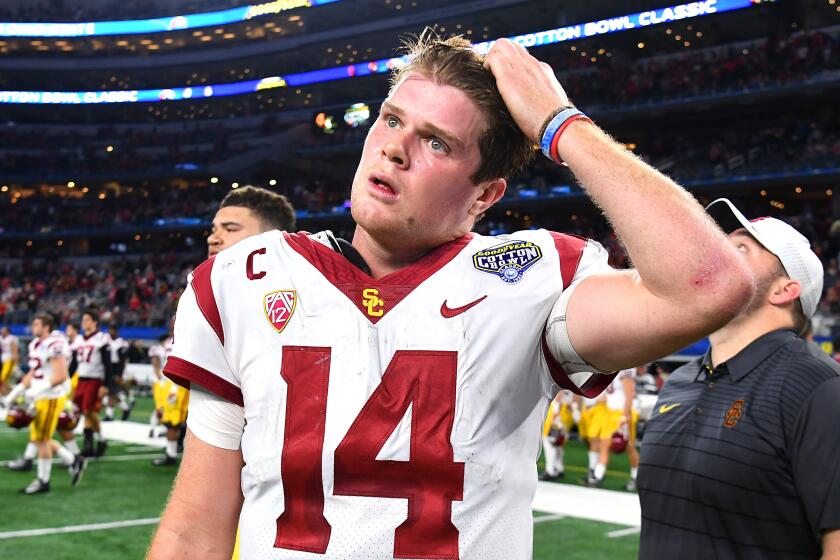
(751, 356)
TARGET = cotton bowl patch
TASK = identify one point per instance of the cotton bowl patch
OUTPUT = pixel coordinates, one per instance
(279, 306)
(508, 261)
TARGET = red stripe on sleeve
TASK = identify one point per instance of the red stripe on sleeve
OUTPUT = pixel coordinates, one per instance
(570, 249)
(206, 299)
(593, 387)
(183, 373)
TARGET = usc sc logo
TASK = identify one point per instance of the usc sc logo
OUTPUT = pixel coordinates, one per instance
(734, 414)
(372, 302)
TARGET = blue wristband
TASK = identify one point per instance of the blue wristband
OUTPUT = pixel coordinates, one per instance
(554, 126)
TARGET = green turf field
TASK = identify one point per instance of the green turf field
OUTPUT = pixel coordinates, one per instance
(124, 486)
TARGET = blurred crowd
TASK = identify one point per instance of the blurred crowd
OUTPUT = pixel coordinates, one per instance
(143, 290)
(140, 291)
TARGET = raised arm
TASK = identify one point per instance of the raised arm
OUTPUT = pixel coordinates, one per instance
(203, 510)
(688, 280)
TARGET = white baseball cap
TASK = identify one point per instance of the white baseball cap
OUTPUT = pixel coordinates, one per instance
(781, 239)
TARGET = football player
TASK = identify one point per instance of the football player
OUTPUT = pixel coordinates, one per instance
(93, 353)
(243, 212)
(171, 401)
(556, 429)
(47, 384)
(124, 391)
(394, 387)
(158, 354)
(10, 355)
(616, 415)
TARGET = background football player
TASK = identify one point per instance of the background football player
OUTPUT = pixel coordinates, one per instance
(47, 384)
(9, 353)
(93, 353)
(616, 414)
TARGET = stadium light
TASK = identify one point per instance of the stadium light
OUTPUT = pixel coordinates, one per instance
(369, 68)
(157, 25)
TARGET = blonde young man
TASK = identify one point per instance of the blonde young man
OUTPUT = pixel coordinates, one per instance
(47, 384)
(10, 355)
(386, 401)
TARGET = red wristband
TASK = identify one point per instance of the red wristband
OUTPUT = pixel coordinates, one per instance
(553, 150)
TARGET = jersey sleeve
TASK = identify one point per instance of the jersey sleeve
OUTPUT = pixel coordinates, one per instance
(579, 259)
(198, 354)
(214, 420)
(56, 347)
(815, 454)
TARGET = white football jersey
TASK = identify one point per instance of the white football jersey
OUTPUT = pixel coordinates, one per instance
(161, 352)
(117, 345)
(6, 344)
(88, 350)
(389, 418)
(615, 395)
(40, 354)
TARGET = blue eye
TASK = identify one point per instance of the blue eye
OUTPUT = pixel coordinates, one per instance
(391, 122)
(437, 145)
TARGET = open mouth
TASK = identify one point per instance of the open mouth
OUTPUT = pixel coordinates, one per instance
(383, 186)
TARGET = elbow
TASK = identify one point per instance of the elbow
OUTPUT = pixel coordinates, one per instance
(727, 290)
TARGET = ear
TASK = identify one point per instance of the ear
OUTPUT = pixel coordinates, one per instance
(491, 192)
(784, 291)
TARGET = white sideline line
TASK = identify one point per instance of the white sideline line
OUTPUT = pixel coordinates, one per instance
(79, 528)
(624, 532)
(106, 458)
(137, 523)
(552, 517)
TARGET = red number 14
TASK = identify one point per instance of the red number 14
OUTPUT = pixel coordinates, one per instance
(430, 480)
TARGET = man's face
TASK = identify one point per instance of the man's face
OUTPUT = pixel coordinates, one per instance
(763, 264)
(231, 225)
(4, 331)
(37, 328)
(88, 324)
(71, 332)
(412, 187)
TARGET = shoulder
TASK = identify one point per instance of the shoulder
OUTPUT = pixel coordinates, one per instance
(805, 365)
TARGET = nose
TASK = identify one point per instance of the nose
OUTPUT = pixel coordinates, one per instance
(213, 240)
(396, 153)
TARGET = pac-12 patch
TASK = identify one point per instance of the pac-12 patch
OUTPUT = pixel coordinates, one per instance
(508, 261)
(279, 306)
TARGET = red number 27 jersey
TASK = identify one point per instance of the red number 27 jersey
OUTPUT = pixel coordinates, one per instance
(389, 418)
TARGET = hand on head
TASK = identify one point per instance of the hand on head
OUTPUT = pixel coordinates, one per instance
(529, 87)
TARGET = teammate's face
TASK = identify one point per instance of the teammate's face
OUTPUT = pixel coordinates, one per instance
(412, 187)
(37, 328)
(231, 225)
(88, 324)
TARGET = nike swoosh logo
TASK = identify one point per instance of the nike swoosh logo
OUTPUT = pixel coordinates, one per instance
(666, 407)
(449, 312)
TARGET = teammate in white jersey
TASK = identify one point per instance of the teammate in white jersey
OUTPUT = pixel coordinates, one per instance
(391, 408)
(10, 355)
(124, 392)
(47, 384)
(93, 354)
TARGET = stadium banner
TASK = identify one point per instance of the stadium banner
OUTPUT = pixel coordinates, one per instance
(541, 38)
(157, 25)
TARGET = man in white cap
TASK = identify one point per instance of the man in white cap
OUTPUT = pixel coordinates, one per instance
(739, 458)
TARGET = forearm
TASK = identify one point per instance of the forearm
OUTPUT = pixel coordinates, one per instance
(656, 219)
(180, 536)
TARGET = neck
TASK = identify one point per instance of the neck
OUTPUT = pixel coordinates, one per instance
(742, 331)
(381, 259)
